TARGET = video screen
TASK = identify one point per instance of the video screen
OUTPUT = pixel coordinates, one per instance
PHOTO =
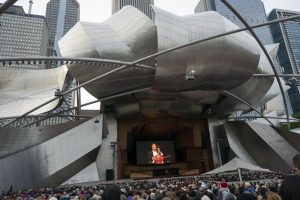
(155, 152)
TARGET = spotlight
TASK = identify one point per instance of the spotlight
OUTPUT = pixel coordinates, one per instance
(58, 93)
(190, 76)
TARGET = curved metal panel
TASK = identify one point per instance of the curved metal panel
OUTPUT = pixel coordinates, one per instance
(54, 160)
(256, 91)
(128, 35)
(22, 90)
(237, 55)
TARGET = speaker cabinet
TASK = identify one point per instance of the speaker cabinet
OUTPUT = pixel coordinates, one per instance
(109, 175)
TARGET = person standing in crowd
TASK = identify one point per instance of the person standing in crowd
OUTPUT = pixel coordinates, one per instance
(111, 192)
(290, 188)
(296, 160)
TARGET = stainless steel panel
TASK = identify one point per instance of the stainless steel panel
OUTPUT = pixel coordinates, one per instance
(23, 90)
(53, 161)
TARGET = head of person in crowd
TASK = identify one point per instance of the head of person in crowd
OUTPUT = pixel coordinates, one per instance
(246, 196)
(296, 160)
(273, 196)
(290, 188)
(111, 192)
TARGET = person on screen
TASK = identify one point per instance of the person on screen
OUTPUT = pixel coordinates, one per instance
(154, 153)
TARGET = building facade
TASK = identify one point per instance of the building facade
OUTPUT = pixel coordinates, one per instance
(142, 5)
(61, 16)
(253, 12)
(287, 34)
(22, 35)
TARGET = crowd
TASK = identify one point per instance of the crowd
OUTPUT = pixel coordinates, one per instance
(272, 187)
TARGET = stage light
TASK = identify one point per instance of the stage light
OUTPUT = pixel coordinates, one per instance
(58, 93)
(190, 76)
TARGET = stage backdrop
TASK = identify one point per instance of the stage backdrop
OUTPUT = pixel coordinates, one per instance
(143, 148)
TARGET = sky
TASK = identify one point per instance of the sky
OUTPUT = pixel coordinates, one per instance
(99, 10)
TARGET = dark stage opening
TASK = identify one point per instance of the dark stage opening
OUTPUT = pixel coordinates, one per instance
(185, 145)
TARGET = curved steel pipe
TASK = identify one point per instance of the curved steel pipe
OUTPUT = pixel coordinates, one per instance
(86, 104)
(6, 5)
(230, 7)
(155, 55)
(225, 92)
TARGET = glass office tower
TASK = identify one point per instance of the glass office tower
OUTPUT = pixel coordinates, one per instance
(287, 34)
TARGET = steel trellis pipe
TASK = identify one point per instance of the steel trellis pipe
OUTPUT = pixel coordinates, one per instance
(230, 7)
(158, 54)
(6, 5)
(86, 104)
(246, 103)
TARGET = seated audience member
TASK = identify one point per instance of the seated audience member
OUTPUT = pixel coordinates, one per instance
(296, 160)
(111, 192)
(290, 188)
(273, 196)
(246, 196)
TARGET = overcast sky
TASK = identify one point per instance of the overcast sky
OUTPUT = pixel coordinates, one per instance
(99, 10)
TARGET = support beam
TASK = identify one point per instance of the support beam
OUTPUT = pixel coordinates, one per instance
(6, 5)
(249, 28)
(86, 104)
(225, 92)
(273, 75)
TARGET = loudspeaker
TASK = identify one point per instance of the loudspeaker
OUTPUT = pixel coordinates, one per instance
(109, 175)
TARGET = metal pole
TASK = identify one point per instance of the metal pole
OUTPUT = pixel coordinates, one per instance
(89, 103)
(240, 176)
(273, 75)
(246, 103)
(230, 7)
(6, 5)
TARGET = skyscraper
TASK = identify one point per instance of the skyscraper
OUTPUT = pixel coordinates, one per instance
(142, 5)
(252, 11)
(22, 35)
(287, 34)
(61, 16)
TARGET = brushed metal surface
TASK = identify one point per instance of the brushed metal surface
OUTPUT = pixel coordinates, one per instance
(128, 35)
(22, 90)
(53, 161)
(260, 148)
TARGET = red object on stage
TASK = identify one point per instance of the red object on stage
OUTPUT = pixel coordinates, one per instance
(159, 159)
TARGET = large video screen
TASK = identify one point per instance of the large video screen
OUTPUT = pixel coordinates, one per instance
(155, 152)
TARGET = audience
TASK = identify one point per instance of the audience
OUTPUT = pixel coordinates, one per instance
(296, 160)
(258, 186)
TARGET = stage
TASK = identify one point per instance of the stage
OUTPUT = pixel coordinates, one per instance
(185, 140)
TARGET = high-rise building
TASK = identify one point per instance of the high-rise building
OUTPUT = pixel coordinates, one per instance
(22, 35)
(142, 5)
(287, 34)
(252, 11)
(61, 16)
